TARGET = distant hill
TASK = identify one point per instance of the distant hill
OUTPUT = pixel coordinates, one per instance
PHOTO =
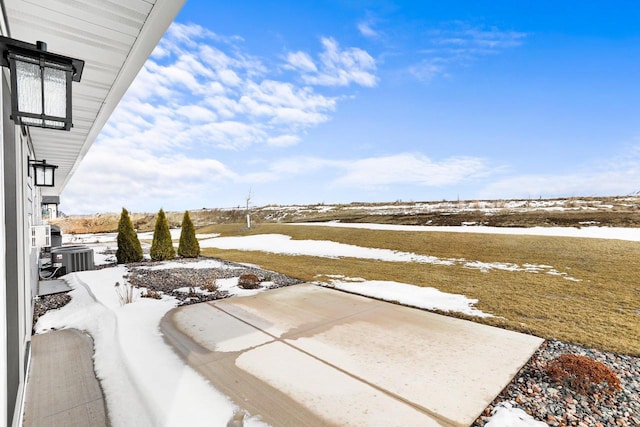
(623, 211)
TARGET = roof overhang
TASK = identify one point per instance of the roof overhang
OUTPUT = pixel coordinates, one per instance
(113, 38)
(50, 200)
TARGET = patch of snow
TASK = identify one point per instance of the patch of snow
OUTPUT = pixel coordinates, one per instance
(620, 233)
(411, 295)
(102, 258)
(231, 286)
(485, 267)
(507, 415)
(206, 235)
(248, 264)
(195, 290)
(77, 239)
(200, 264)
(282, 244)
(113, 237)
(148, 235)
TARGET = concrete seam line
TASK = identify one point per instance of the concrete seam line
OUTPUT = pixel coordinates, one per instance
(444, 420)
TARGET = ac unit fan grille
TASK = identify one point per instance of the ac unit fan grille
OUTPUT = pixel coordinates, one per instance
(75, 258)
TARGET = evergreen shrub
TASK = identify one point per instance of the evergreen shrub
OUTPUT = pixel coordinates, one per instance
(189, 246)
(129, 248)
(162, 245)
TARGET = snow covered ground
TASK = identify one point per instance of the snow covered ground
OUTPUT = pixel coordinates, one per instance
(506, 414)
(83, 239)
(144, 381)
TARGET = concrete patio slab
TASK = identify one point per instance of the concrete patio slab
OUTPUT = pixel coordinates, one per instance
(307, 355)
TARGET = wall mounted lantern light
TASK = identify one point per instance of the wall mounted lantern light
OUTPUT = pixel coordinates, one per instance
(40, 83)
(44, 173)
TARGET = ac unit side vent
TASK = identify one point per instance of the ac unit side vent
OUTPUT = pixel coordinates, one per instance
(40, 236)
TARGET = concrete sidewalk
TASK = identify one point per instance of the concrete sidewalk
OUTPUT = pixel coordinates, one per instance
(307, 355)
(54, 286)
(62, 389)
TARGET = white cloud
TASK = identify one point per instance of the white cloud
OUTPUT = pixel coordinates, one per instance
(378, 172)
(617, 176)
(183, 36)
(301, 61)
(409, 168)
(224, 97)
(367, 30)
(492, 39)
(336, 66)
(198, 96)
(283, 140)
(459, 44)
(290, 167)
(549, 186)
(286, 103)
(111, 177)
(195, 113)
(428, 69)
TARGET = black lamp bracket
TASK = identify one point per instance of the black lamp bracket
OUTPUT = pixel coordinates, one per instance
(39, 50)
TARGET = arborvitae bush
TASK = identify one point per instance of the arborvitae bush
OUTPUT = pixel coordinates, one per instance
(129, 248)
(188, 247)
(162, 245)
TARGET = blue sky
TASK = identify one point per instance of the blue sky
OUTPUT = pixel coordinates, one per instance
(344, 101)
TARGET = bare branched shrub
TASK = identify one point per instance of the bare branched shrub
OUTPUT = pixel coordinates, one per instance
(211, 285)
(126, 293)
(582, 374)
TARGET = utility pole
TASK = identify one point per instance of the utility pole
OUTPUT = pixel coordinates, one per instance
(248, 199)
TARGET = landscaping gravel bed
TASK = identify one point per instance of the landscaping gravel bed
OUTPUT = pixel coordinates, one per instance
(48, 302)
(534, 392)
(168, 280)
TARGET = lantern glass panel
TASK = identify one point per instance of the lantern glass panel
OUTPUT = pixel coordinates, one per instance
(44, 176)
(55, 88)
(29, 89)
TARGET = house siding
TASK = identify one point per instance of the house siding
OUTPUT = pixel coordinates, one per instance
(13, 364)
(20, 279)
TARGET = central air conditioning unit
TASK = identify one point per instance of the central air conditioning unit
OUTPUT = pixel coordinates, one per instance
(72, 258)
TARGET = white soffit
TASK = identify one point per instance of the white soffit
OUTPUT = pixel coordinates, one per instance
(114, 38)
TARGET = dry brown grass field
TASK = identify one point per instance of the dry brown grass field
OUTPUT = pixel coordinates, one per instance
(600, 310)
